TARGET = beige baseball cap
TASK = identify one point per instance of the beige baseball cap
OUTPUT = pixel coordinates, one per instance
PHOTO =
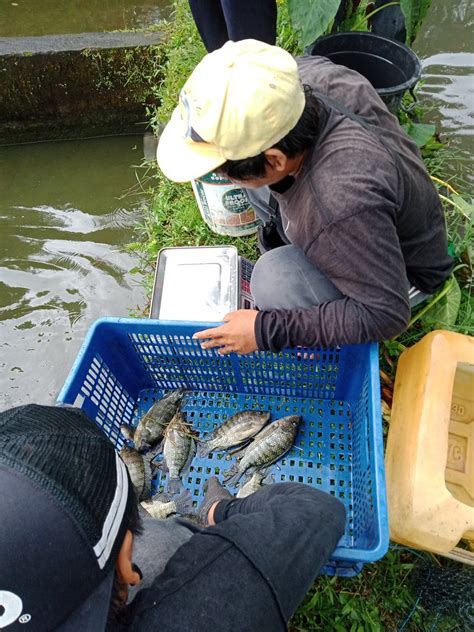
(239, 101)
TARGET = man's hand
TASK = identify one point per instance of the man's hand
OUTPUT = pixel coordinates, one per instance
(237, 335)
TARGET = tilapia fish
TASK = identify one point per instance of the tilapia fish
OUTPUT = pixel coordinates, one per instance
(253, 484)
(154, 422)
(178, 451)
(162, 505)
(140, 468)
(233, 431)
(268, 446)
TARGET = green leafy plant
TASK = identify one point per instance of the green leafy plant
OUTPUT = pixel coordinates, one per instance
(421, 133)
(414, 12)
(311, 18)
(444, 313)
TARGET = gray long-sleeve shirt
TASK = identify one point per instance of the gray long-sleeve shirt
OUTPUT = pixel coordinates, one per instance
(369, 227)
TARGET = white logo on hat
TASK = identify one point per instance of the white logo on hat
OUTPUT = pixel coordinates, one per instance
(12, 607)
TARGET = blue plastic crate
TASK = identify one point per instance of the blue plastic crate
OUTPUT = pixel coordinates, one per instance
(126, 364)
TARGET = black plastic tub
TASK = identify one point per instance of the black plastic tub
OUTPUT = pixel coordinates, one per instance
(391, 67)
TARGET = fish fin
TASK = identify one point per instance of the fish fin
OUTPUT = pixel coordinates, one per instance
(268, 477)
(154, 452)
(233, 475)
(156, 464)
(240, 448)
(143, 510)
(184, 502)
(161, 497)
(203, 450)
(191, 455)
(145, 495)
(145, 447)
(174, 485)
(127, 431)
(232, 470)
(233, 480)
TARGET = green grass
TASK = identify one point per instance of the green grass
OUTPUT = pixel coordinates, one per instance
(381, 597)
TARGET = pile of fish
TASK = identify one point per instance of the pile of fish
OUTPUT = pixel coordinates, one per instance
(152, 426)
(163, 431)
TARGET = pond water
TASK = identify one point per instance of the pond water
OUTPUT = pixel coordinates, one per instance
(446, 48)
(57, 17)
(63, 220)
(61, 228)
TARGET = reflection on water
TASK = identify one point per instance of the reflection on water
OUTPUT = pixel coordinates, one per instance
(49, 17)
(445, 45)
(61, 268)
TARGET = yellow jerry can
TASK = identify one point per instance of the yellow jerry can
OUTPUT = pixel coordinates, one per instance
(430, 446)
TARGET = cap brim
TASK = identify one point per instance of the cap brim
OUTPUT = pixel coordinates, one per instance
(91, 615)
(182, 159)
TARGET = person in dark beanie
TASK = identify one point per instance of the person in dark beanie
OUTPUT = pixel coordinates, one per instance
(76, 557)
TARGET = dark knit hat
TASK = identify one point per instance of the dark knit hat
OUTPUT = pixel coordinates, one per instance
(64, 493)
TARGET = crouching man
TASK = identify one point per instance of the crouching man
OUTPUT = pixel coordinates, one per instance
(354, 230)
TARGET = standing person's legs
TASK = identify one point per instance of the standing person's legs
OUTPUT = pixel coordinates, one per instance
(209, 18)
(251, 19)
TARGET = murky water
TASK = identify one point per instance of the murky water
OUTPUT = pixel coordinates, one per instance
(61, 268)
(446, 48)
(56, 17)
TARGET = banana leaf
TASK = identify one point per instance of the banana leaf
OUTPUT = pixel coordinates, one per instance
(311, 18)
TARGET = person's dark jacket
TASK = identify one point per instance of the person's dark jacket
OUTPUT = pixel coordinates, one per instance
(372, 224)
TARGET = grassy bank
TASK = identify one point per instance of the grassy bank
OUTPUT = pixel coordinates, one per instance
(386, 596)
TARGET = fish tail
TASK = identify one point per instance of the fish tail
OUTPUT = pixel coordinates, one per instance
(128, 433)
(174, 485)
(184, 502)
(233, 476)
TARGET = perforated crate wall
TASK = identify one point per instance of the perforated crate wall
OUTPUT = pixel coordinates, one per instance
(126, 364)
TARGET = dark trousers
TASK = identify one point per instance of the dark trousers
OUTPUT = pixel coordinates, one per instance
(219, 21)
(250, 571)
